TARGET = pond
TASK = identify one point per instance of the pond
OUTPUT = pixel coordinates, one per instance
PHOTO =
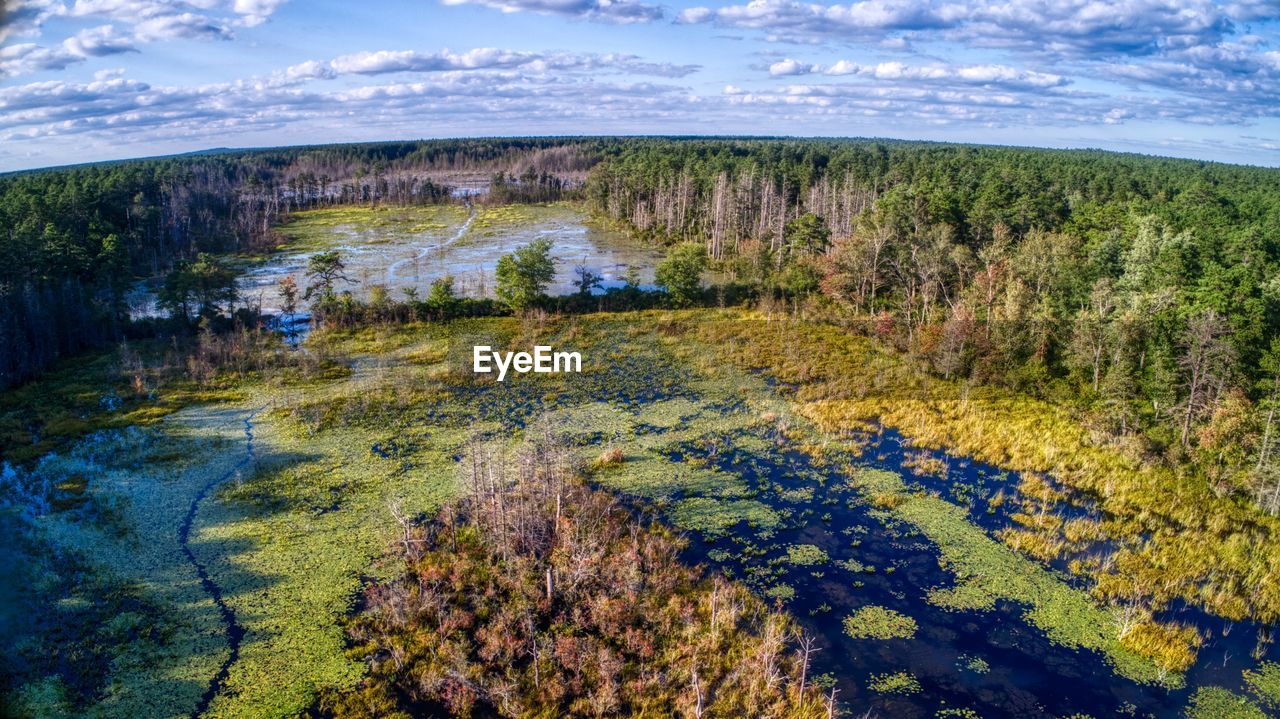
(409, 248)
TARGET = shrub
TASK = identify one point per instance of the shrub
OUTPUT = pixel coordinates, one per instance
(522, 276)
(611, 457)
(680, 273)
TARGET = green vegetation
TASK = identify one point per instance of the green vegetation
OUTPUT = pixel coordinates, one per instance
(987, 572)
(1219, 703)
(903, 683)
(319, 229)
(1176, 536)
(335, 460)
(806, 555)
(876, 622)
(1265, 683)
(1106, 325)
(523, 275)
(680, 274)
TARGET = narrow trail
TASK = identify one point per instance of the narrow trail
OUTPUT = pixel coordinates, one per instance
(424, 251)
(234, 631)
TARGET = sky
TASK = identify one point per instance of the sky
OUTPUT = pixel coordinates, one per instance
(88, 80)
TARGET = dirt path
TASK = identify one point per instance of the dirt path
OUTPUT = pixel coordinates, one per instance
(234, 631)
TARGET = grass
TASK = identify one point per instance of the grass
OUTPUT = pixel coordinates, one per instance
(876, 622)
(322, 228)
(90, 393)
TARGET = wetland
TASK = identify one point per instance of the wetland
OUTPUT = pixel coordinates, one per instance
(887, 552)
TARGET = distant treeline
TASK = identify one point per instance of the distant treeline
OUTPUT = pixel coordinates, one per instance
(77, 239)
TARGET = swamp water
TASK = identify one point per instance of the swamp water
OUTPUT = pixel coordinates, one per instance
(967, 663)
(409, 249)
(801, 534)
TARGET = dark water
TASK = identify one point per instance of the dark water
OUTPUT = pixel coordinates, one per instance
(992, 662)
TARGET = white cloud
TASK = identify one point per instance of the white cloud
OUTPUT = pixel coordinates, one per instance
(118, 109)
(255, 12)
(1064, 27)
(610, 11)
(990, 75)
(99, 41)
(133, 22)
(26, 58)
(22, 18)
(181, 26)
(413, 61)
(792, 67)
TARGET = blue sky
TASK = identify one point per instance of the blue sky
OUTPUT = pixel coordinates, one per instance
(84, 80)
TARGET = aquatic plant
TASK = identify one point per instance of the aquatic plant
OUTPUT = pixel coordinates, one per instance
(781, 592)
(1172, 646)
(1219, 703)
(902, 683)
(924, 464)
(987, 571)
(806, 555)
(1172, 525)
(1264, 682)
(877, 622)
(957, 713)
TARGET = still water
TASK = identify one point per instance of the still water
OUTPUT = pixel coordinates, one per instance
(463, 242)
(988, 664)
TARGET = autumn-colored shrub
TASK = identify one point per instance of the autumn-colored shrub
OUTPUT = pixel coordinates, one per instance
(535, 596)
